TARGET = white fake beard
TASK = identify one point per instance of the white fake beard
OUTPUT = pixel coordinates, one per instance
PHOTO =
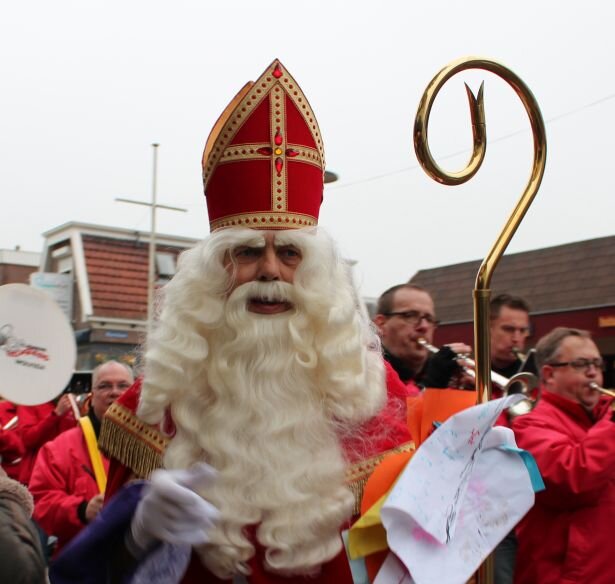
(262, 422)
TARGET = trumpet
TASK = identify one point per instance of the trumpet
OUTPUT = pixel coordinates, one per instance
(527, 380)
(468, 365)
(609, 392)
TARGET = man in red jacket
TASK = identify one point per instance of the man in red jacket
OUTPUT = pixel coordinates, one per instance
(39, 424)
(567, 537)
(63, 482)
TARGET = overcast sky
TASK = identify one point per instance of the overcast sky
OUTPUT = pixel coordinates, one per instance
(86, 87)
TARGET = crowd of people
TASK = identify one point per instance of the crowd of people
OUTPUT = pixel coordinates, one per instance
(268, 398)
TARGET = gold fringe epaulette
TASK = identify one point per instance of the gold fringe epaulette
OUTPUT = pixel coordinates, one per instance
(140, 446)
(135, 444)
(358, 473)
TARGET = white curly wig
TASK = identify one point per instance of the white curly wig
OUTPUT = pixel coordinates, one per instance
(265, 399)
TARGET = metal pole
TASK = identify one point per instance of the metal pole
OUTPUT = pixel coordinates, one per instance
(152, 245)
(485, 574)
(153, 205)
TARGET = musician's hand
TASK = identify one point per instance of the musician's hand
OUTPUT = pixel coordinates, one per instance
(93, 507)
(171, 511)
(460, 348)
(442, 366)
(63, 405)
(465, 381)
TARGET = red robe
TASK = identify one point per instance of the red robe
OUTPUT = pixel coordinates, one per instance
(135, 442)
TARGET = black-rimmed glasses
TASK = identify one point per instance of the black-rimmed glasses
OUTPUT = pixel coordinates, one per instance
(414, 316)
(580, 364)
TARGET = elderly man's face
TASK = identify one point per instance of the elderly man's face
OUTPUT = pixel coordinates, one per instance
(266, 259)
(574, 370)
(112, 381)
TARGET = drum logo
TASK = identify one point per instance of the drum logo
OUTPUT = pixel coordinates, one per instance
(23, 353)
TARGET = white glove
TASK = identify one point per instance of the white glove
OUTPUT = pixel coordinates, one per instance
(170, 511)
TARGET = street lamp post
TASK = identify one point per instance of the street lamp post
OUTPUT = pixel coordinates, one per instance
(153, 205)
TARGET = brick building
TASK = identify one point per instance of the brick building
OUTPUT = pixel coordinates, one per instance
(109, 269)
(16, 265)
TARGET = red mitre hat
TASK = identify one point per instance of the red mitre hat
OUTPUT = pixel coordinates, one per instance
(263, 165)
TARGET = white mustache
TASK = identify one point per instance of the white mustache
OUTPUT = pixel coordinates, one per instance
(263, 291)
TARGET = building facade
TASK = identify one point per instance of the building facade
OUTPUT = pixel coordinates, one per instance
(109, 268)
(17, 265)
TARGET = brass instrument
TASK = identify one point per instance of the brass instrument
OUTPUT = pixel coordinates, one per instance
(609, 392)
(482, 292)
(520, 354)
(527, 380)
(468, 365)
(527, 405)
(527, 362)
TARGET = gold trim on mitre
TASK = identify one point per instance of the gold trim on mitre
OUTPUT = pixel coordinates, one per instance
(265, 219)
(245, 102)
(251, 152)
(224, 116)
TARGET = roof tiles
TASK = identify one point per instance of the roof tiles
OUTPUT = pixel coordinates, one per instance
(117, 275)
(564, 277)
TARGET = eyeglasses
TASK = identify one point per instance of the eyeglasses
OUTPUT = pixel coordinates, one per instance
(107, 386)
(580, 364)
(414, 316)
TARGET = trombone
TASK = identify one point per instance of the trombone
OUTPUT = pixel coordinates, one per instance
(523, 357)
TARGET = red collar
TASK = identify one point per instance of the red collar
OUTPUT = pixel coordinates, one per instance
(575, 410)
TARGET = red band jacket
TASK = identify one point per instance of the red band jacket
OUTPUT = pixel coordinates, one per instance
(568, 535)
(62, 479)
(37, 425)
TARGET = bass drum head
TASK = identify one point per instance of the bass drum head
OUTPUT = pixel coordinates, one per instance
(37, 346)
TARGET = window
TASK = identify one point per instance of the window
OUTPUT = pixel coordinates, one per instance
(165, 264)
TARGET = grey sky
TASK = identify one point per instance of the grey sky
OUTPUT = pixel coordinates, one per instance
(88, 86)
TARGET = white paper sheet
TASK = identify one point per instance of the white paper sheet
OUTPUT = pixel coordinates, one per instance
(393, 572)
(458, 497)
